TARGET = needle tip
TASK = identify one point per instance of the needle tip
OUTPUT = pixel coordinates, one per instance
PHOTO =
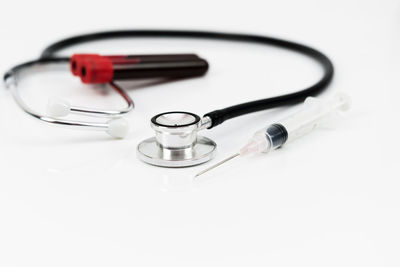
(216, 165)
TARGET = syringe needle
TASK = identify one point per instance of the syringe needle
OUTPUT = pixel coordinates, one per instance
(218, 164)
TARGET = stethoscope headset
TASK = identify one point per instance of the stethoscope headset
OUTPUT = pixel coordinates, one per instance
(176, 143)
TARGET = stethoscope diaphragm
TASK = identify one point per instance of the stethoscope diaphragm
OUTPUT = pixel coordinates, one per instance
(176, 143)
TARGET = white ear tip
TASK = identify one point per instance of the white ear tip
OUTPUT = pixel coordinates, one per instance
(58, 108)
(118, 128)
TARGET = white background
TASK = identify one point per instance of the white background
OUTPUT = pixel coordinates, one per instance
(72, 198)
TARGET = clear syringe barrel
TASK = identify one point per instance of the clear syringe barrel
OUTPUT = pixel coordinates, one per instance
(313, 112)
(296, 125)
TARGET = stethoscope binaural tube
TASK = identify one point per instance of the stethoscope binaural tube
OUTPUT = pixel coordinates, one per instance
(114, 125)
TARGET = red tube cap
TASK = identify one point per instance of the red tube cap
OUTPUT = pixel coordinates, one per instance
(96, 70)
(76, 62)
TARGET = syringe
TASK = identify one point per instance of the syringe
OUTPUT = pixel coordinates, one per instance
(304, 121)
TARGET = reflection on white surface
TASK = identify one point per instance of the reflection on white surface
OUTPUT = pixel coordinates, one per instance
(176, 183)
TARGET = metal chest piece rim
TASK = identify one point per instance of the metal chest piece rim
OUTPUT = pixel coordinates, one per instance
(176, 143)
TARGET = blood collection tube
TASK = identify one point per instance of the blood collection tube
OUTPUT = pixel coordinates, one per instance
(93, 68)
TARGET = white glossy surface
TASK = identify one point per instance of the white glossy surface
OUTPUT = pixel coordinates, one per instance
(72, 198)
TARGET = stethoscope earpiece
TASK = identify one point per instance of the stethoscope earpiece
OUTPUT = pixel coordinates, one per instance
(118, 128)
(58, 108)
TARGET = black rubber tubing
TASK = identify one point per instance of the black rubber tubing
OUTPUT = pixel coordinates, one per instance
(221, 115)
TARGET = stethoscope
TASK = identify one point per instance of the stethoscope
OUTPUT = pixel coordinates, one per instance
(176, 143)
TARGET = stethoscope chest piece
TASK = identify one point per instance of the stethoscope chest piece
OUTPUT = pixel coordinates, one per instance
(176, 143)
